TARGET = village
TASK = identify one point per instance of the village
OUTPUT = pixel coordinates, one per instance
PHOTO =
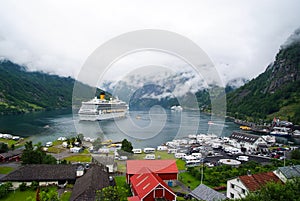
(166, 172)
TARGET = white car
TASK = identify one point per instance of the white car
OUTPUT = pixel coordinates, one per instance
(209, 164)
(243, 158)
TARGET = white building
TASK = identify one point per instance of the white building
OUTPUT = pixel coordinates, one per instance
(239, 187)
(252, 143)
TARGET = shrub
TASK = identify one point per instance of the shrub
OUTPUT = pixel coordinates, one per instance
(23, 187)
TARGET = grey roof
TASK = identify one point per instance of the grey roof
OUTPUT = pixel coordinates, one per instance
(203, 192)
(243, 137)
(290, 171)
(11, 153)
(42, 172)
(86, 186)
(103, 159)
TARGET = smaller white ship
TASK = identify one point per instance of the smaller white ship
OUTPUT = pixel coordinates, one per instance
(176, 108)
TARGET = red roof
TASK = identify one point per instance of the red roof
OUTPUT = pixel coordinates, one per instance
(256, 181)
(134, 198)
(156, 166)
(145, 182)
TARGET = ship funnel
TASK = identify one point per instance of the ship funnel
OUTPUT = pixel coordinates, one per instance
(102, 96)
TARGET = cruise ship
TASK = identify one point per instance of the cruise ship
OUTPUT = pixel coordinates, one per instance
(102, 109)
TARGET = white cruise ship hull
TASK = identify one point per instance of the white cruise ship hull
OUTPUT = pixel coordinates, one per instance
(101, 117)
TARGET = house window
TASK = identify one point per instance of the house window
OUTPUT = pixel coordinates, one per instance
(243, 191)
(231, 195)
(232, 185)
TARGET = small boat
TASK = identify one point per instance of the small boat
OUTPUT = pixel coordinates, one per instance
(176, 108)
(246, 128)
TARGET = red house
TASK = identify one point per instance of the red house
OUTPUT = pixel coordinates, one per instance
(148, 186)
(165, 169)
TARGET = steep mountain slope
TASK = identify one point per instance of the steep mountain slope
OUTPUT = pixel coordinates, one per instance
(276, 92)
(22, 91)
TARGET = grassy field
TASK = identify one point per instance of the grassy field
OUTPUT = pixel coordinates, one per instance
(5, 169)
(55, 150)
(188, 180)
(19, 195)
(180, 164)
(17, 144)
(121, 181)
(79, 158)
(65, 196)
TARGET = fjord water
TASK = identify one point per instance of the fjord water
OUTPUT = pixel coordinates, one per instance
(142, 128)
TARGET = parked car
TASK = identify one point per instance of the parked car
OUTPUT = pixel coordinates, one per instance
(243, 158)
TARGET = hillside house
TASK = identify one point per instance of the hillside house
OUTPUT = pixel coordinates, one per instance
(239, 187)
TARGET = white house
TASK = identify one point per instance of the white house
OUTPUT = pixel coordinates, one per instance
(252, 143)
(239, 187)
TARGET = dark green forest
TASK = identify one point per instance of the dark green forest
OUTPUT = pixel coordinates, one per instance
(22, 91)
(276, 92)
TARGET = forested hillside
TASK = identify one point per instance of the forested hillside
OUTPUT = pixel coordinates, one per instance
(276, 92)
(22, 91)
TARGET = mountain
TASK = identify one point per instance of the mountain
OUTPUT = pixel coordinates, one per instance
(275, 92)
(235, 84)
(22, 91)
(143, 91)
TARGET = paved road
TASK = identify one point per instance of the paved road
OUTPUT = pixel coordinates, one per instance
(215, 159)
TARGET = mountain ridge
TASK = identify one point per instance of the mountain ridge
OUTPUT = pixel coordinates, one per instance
(275, 92)
(22, 91)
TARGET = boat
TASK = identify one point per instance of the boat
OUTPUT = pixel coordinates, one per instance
(176, 108)
(102, 109)
(246, 128)
(280, 131)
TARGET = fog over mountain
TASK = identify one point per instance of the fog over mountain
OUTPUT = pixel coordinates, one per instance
(240, 37)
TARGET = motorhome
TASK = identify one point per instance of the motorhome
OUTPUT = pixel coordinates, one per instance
(149, 150)
(150, 157)
(180, 155)
(137, 151)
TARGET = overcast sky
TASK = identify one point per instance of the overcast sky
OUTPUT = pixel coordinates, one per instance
(240, 37)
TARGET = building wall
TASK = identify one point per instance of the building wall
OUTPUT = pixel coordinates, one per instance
(236, 189)
(168, 176)
(279, 174)
(158, 193)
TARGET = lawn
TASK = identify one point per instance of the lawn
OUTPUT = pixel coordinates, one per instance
(180, 164)
(57, 142)
(5, 169)
(55, 150)
(19, 195)
(65, 196)
(121, 166)
(121, 181)
(79, 158)
(188, 180)
(17, 144)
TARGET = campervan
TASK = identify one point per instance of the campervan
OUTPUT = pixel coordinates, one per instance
(149, 150)
(150, 157)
